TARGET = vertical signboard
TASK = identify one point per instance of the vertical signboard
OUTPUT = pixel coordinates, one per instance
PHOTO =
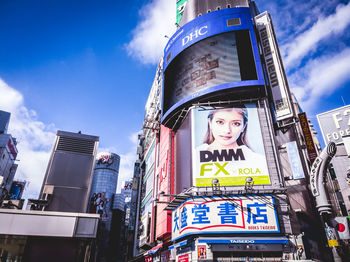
(274, 67)
(294, 160)
(335, 124)
(310, 146)
(163, 170)
(12, 147)
(227, 145)
(180, 8)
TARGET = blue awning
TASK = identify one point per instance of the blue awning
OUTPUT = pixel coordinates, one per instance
(182, 243)
(244, 240)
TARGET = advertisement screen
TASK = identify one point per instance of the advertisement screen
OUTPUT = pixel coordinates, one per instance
(216, 60)
(229, 214)
(227, 145)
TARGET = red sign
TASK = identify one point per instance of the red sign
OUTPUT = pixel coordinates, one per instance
(202, 252)
(148, 259)
(12, 148)
(163, 174)
(184, 258)
(310, 146)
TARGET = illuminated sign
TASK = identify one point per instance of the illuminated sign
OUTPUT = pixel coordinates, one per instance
(274, 67)
(195, 34)
(210, 54)
(335, 124)
(227, 145)
(229, 214)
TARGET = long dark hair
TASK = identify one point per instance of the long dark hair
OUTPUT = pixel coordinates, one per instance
(242, 139)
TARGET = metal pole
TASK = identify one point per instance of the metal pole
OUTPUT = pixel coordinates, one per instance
(318, 189)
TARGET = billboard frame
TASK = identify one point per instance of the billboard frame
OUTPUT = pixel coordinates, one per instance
(205, 26)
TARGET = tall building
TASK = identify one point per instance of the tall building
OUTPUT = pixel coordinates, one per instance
(8, 156)
(335, 127)
(102, 201)
(225, 157)
(104, 185)
(67, 181)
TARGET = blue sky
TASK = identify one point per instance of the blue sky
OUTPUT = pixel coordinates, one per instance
(88, 65)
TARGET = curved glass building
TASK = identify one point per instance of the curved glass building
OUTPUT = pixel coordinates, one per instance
(104, 185)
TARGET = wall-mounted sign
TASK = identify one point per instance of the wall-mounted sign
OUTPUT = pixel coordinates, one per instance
(184, 258)
(314, 173)
(335, 124)
(163, 174)
(202, 251)
(310, 146)
(229, 214)
(11, 146)
(227, 145)
(332, 239)
(294, 160)
(274, 67)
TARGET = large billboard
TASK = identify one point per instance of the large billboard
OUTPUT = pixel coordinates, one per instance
(214, 52)
(227, 145)
(274, 67)
(225, 214)
(335, 124)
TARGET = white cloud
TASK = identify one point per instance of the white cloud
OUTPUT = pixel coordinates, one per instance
(157, 21)
(35, 139)
(320, 77)
(307, 42)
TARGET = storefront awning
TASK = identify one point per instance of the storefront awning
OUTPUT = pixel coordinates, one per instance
(244, 240)
(157, 247)
(182, 243)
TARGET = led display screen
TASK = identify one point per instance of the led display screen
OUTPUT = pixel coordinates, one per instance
(216, 60)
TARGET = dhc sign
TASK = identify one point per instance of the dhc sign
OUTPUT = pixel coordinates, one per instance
(193, 35)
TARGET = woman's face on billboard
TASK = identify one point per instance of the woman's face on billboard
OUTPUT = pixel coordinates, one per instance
(226, 126)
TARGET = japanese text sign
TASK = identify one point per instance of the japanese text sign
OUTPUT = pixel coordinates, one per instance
(229, 214)
(310, 146)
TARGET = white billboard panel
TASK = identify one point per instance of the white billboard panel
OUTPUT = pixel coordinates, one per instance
(294, 160)
(225, 214)
(335, 124)
(227, 145)
(278, 82)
